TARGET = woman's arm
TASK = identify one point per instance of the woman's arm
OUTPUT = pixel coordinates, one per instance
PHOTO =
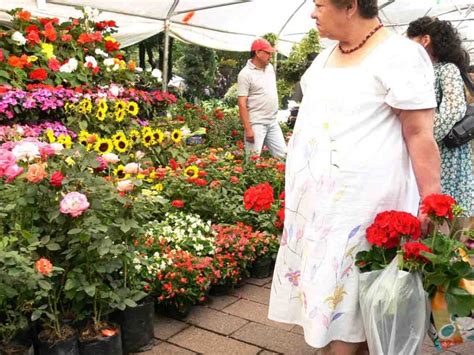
(453, 101)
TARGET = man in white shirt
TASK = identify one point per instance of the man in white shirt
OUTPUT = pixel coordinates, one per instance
(258, 102)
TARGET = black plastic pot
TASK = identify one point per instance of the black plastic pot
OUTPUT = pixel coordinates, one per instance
(221, 289)
(17, 349)
(102, 345)
(174, 312)
(261, 268)
(64, 347)
(136, 324)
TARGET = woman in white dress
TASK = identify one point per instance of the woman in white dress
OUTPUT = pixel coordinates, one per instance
(363, 143)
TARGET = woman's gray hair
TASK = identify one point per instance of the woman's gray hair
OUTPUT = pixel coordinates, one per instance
(367, 8)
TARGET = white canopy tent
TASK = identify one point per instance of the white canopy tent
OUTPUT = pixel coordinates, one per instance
(233, 24)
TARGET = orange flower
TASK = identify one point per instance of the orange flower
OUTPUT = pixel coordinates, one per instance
(24, 15)
(19, 62)
(36, 173)
(49, 32)
(44, 266)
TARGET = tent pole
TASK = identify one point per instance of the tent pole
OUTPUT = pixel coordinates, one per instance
(165, 56)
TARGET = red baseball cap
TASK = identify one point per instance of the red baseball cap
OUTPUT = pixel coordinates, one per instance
(261, 44)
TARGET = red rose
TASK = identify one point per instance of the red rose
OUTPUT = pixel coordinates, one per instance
(438, 205)
(38, 74)
(259, 197)
(56, 179)
(412, 251)
(177, 203)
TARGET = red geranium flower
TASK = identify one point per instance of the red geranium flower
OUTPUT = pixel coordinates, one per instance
(438, 205)
(259, 197)
(49, 32)
(177, 203)
(38, 74)
(412, 251)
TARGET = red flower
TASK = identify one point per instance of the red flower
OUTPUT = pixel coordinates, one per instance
(234, 133)
(33, 37)
(66, 38)
(54, 64)
(24, 15)
(49, 32)
(177, 203)
(438, 205)
(234, 180)
(111, 46)
(38, 74)
(218, 113)
(281, 215)
(44, 266)
(56, 179)
(2, 58)
(173, 164)
(412, 251)
(259, 197)
(280, 167)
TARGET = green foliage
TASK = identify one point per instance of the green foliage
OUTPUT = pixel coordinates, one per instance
(198, 66)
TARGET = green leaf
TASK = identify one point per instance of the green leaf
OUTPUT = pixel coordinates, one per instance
(90, 290)
(74, 231)
(36, 315)
(129, 302)
(53, 246)
(45, 285)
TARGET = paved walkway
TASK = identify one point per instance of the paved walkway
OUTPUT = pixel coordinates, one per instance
(238, 324)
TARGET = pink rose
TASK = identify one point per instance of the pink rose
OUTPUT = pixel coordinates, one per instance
(74, 203)
(111, 158)
(46, 151)
(7, 159)
(36, 173)
(125, 186)
(131, 168)
(12, 172)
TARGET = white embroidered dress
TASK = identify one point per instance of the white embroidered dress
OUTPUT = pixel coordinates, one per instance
(347, 161)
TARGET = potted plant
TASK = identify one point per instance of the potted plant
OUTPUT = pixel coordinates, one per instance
(265, 247)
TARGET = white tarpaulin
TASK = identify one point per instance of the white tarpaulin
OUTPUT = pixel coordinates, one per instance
(233, 24)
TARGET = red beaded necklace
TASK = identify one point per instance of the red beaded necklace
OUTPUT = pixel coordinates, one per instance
(347, 51)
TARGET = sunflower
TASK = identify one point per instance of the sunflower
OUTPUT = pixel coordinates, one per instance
(191, 171)
(103, 105)
(121, 145)
(103, 145)
(148, 140)
(50, 135)
(120, 105)
(133, 135)
(119, 136)
(119, 115)
(158, 135)
(176, 135)
(83, 141)
(146, 130)
(65, 140)
(100, 115)
(86, 104)
(119, 172)
(68, 107)
(132, 108)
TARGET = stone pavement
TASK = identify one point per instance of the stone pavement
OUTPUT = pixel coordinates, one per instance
(237, 324)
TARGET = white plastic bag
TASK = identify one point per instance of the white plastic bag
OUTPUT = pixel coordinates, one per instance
(395, 310)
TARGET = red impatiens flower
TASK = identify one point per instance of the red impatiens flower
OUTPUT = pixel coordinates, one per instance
(38, 74)
(44, 266)
(438, 205)
(177, 203)
(412, 251)
(390, 226)
(56, 179)
(259, 197)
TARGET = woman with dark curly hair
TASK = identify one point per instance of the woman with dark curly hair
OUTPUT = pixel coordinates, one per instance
(443, 44)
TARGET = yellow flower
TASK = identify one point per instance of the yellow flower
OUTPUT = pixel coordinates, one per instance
(120, 105)
(68, 107)
(70, 161)
(103, 105)
(148, 140)
(152, 175)
(146, 130)
(65, 140)
(119, 136)
(191, 171)
(119, 115)
(110, 38)
(176, 135)
(140, 176)
(229, 156)
(132, 108)
(86, 104)
(47, 49)
(50, 135)
(158, 135)
(120, 173)
(121, 145)
(103, 146)
(100, 115)
(133, 135)
(32, 59)
(158, 187)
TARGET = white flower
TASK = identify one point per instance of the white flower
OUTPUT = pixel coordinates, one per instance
(57, 147)
(131, 168)
(70, 66)
(156, 73)
(26, 151)
(115, 67)
(138, 69)
(139, 154)
(18, 38)
(100, 52)
(109, 62)
(91, 60)
(114, 90)
(111, 158)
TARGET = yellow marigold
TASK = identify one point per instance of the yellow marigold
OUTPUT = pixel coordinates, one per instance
(191, 171)
(121, 145)
(50, 135)
(103, 146)
(158, 135)
(119, 115)
(132, 108)
(47, 49)
(176, 135)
